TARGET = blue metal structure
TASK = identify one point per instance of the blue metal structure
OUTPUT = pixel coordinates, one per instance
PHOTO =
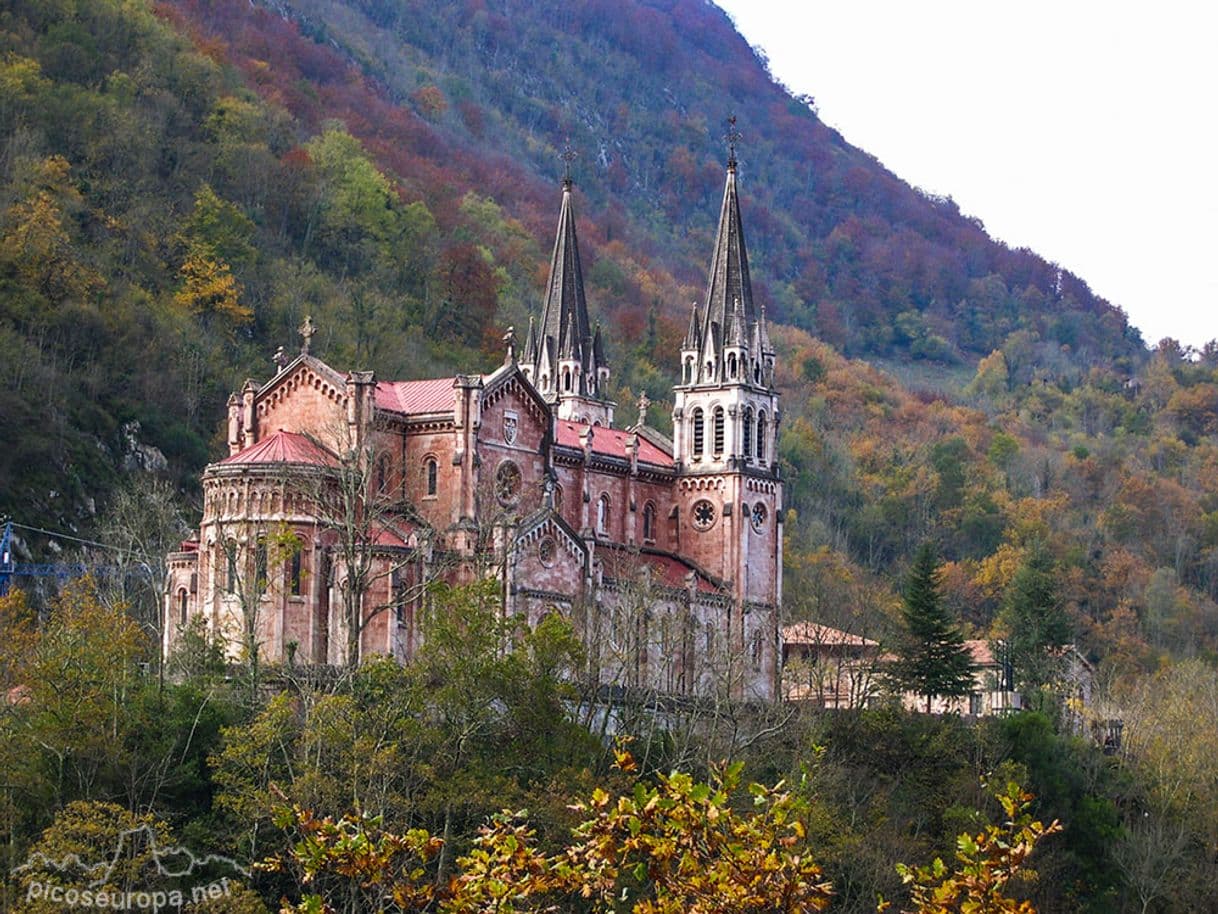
(10, 569)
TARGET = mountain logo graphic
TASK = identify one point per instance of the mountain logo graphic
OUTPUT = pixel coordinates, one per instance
(172, 862)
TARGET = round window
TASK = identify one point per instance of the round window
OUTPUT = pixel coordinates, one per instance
(547, 551)
(704, 515)
(760, 515)
(507, 483)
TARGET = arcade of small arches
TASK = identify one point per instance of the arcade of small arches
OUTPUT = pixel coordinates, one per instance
(734, 366)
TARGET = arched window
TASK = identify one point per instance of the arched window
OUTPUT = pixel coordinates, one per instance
(718, 443)
(649, 522)
(761, 436)
(260, 560)
(710, 371)
(382, 475)
(757, 372)
(731, 365)
(689, 371)
(230, 566)
(566, 380)
(748, 431)
(431, 470)
(182, 598)
(295, 567)
(399, 602)
(699, 431)
(602, 515)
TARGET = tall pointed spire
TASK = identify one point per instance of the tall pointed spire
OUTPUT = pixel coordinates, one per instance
(565, 291)
(564, 334)
(729, 270)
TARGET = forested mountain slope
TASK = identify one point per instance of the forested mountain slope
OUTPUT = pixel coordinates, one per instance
(183, 182)
(642, 90)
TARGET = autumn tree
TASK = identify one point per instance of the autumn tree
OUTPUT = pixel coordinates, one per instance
(673, 846)
(36, 240)
(77, 675)
(480, 716)
(987, 862)
(931, 657)
(1170, 744)
(111, 858)
(209, 289)
(85, 835)
(382, 556)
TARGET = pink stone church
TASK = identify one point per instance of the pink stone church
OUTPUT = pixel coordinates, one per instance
(344, 494)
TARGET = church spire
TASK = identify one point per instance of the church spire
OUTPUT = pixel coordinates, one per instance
(563, 363)
(564, 303)
(728, 287)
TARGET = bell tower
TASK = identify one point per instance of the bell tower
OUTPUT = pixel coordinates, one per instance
(725, 421)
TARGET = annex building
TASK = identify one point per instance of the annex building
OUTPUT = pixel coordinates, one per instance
(344, 494)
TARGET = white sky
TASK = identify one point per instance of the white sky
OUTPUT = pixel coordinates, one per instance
(1083, 130)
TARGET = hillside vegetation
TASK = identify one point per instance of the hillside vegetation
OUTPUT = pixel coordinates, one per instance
(182, 182)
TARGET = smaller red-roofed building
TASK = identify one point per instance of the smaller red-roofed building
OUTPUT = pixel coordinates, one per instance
(829, 668)
(992, 691)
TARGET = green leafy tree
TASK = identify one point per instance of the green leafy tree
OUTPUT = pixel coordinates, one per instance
(932, 659)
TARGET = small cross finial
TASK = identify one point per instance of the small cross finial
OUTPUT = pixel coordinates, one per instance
(307, 331)
(509, 340)
(644, 402)
(568, 155)
(733, 137)
(280, 358)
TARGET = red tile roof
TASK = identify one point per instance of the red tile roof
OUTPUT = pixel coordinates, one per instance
(674, 572)
(385, 535)
(433, 395)
(815, 634)
(284, 447)
(665, 569)
(610, 441)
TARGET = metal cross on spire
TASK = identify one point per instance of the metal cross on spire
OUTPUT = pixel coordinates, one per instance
(733, 137)
(568, 155)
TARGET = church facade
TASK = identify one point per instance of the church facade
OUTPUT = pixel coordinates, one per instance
(343, 495)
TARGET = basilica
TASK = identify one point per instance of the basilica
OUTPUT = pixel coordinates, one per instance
(344, 495)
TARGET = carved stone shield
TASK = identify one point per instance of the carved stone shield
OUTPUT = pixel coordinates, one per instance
(510, 424)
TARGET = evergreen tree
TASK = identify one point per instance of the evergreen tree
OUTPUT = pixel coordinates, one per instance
(932, 659)
(1033, 621)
